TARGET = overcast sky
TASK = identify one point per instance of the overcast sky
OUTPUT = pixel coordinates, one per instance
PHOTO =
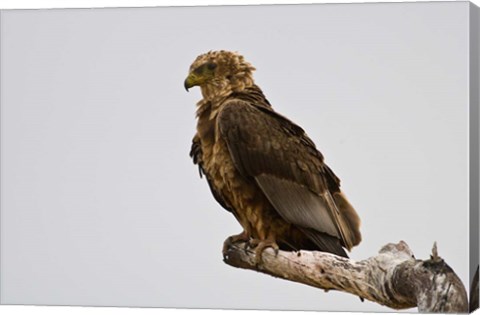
(101, 204)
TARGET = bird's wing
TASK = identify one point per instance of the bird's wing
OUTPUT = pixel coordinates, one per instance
(284, 162)
(196, 155)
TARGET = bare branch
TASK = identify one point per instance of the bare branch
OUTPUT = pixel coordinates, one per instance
(393, 278)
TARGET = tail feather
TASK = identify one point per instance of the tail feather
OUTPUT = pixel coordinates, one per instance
(325, 242)
(349, 219)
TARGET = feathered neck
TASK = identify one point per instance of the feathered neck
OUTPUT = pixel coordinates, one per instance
(216, 92)
(252, 94)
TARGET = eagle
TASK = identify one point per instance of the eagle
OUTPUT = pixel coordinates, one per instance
(262, 167)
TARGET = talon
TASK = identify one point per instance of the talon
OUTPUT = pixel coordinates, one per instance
(246, 247)
(260, 246)
(226, 246)
(242, 237)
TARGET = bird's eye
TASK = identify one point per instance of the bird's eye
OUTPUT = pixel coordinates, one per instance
(211, 66)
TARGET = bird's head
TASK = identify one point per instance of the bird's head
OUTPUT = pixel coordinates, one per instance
(219, 72)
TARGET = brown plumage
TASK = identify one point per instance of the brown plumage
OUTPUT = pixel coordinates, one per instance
(264, 168)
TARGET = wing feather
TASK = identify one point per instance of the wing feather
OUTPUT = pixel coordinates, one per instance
(299, 206)
(197, 156)
(289, 170)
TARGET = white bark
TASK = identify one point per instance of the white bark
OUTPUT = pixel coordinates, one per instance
(393, 278)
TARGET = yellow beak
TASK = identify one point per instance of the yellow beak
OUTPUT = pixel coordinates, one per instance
(191, 81)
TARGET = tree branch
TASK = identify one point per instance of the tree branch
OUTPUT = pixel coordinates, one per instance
(393, 278)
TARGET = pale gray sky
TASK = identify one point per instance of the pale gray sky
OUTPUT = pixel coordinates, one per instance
(101, 204)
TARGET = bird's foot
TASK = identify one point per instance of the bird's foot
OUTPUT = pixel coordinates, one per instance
(242, 237)
(260, 246)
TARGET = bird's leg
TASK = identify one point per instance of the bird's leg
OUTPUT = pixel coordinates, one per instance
(261, 245)
(242, 237)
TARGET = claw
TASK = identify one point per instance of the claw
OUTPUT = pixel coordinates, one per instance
(242, 237)
(246, 247)
(260, 246)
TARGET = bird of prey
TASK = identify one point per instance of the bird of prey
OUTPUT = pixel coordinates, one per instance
(262, 167)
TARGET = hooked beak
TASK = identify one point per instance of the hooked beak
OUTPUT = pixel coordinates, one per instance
(186, 85)
(191, 81)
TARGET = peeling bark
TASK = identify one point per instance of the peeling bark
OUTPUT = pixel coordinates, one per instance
(393, 278)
